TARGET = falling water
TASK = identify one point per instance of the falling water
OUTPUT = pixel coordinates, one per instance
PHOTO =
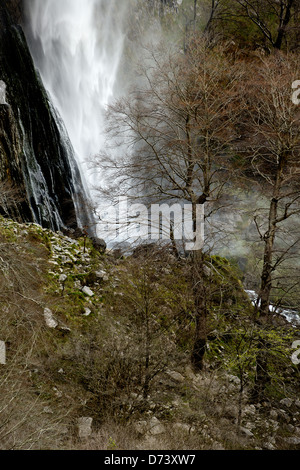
(292, 316)
(77, 46)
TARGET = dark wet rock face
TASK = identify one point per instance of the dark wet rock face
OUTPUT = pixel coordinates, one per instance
(35, 153)
(15, 9)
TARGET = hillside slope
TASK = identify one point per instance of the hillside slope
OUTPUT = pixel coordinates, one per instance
(98, 353)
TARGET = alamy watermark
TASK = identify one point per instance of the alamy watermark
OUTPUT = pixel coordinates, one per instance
(2, 353)
(157, 222)
(296, 93)
(296, 355)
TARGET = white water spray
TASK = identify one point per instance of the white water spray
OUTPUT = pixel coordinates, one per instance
(77, 46)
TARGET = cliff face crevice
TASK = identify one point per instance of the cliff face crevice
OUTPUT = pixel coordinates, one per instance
(36, 155)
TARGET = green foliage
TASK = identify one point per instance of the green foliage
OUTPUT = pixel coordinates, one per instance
(40, 236)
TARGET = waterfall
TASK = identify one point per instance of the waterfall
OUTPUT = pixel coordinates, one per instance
(77, 45)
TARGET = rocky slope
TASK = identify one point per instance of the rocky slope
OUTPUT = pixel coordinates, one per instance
(75, 329)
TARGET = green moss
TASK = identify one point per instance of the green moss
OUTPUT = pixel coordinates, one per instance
(40, 236)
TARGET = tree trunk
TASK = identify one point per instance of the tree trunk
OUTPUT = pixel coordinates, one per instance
(199, 291)
(284, 21)
(269, 239)
(262, 377)
(266, 276)
(147, 353)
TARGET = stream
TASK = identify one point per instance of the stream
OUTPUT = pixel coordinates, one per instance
(292, 316)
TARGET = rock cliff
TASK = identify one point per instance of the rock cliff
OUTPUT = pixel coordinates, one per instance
(36, 156)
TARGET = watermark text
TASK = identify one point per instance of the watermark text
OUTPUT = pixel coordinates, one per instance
(296, 93)
(126, 221)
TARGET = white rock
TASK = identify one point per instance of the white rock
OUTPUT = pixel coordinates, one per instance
(63, 278)
(207, 271)
(175, 376)
(250, 410)
(184, 428)
(156, 427)
(234, 379)
(249, 426)
(54, 263)
(294, 441)
(48, 410)
(101, 274)
(246, 432)
(141, 427)
(50, 320)
(87, 291)
(85, 427)
(268, 446)
(275, 425)
(87, 312)
(286, 402)
(273, 414)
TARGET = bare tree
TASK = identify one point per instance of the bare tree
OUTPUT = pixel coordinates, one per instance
(175, 132)
(273, 146)
(271, 149)
(10, 200)
(214, 7)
